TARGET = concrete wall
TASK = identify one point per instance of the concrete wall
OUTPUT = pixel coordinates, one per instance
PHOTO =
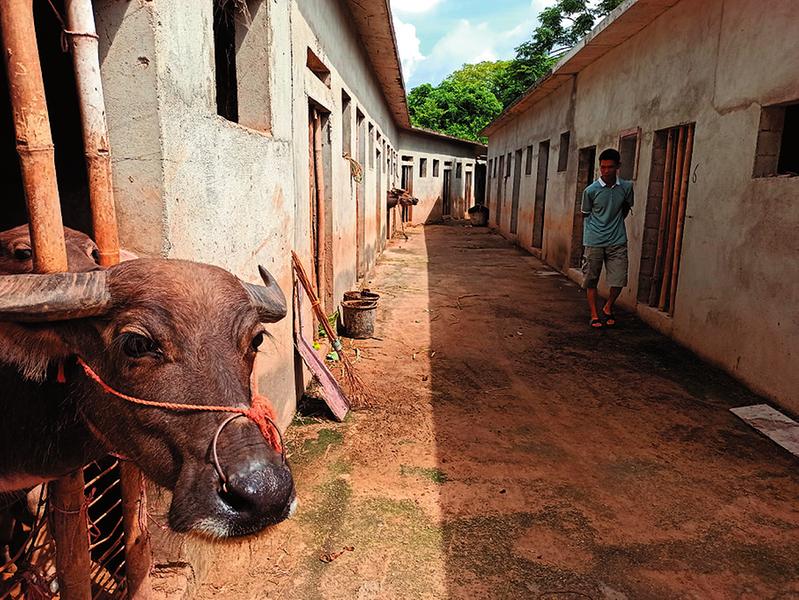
(430, 189)
(715, 65)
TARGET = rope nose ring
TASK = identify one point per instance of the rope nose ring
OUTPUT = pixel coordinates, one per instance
(215, 456)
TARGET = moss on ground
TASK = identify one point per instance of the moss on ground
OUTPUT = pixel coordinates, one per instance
(435, 475)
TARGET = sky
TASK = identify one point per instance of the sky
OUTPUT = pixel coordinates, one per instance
(436, 37)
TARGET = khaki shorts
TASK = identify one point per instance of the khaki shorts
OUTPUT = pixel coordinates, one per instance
(615, 260)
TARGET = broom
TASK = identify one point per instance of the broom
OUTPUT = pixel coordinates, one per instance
(358, 391)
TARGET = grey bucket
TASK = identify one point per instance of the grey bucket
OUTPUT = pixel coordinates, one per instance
(359, 318)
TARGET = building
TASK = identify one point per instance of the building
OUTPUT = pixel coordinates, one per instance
(240, 131)
(702, 100)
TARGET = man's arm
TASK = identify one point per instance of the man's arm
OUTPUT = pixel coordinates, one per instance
(587, 203)
(629, 200)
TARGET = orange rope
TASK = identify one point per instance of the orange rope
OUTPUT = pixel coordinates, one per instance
(259, 413)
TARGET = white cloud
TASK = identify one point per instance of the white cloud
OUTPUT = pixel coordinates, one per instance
(467, 42)
(409, 47)
(414, 6)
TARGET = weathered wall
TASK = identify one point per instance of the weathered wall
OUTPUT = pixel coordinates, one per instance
(325, 27)
(550, 118)
(714, 65)
(430, 189)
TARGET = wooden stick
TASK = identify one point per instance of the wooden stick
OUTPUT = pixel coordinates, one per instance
(689, 146)
(664, 288)
(34, 140)
(69, 518)
(138, 555)
(654, 289)
(84, 42)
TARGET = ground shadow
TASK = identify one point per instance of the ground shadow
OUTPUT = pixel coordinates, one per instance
(590, 464)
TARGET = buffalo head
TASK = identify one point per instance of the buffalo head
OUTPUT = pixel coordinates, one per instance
(166, 331)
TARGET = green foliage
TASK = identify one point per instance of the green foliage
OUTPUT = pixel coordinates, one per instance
(462, 104)
(474, 95)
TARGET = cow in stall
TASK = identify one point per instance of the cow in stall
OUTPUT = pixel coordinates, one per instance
(166, 331)
(402, 198)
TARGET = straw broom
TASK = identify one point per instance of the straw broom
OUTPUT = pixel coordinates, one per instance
(358, 392)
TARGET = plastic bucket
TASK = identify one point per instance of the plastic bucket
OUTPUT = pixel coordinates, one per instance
(359, 318)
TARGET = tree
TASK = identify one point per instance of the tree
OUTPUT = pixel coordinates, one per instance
(476, 94)
(461, 106)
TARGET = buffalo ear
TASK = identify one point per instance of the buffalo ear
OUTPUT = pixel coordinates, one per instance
(267, 299)
(30, 349)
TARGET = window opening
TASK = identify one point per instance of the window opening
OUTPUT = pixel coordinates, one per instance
(563, 151)
(628, 149)
(316, 65)
(517, 180)
(777, 151)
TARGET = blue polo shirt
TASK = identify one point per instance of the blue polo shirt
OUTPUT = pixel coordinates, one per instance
(604, 210)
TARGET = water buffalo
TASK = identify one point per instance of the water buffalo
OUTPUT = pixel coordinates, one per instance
(16, 254)
(162, 330)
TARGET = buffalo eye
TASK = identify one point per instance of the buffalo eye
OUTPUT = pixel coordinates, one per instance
(257, 341)
(95, 254)
(138, 346)
(23, 253)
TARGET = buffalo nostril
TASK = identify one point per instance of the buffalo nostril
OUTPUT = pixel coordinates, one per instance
(237, 501)
(257, 489)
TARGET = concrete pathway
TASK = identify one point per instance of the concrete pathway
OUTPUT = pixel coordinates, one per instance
(513, 452)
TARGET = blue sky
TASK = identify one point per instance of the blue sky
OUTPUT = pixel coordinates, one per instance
(435, 37)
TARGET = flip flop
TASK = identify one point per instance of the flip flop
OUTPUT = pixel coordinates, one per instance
(596, 324)
(610, 319)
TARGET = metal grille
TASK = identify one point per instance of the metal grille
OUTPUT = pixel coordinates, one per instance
(27, 567)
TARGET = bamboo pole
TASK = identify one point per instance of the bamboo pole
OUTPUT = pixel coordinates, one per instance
(689, 146)
(664, 218)
(37, 162)
(319, 180)
(69, 517)
(664, 288)
(84, 43)
(138, 554)
(34, 140)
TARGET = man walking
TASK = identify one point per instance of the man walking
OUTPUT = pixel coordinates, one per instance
(606, 203)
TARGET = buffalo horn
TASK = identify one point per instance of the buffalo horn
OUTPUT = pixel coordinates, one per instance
(268, 299)
(53, 297)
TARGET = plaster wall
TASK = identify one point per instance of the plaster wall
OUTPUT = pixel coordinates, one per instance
(551, 117)
(715, 65)
(326, 28)
(430, 189)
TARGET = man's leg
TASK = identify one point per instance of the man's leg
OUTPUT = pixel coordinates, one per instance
(592, 267)
(616, 271)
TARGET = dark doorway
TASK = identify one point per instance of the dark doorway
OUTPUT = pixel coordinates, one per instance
(480, 184)
(360, 196)
(379, 202)
(500, 182)
(407, 185)
(468, 192)
(446, 209)
(586, 159)
(65, 127)
(540, 194)
(321, 229)
(517, 184)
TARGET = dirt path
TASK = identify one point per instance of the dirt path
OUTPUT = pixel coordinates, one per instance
(514, 453)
